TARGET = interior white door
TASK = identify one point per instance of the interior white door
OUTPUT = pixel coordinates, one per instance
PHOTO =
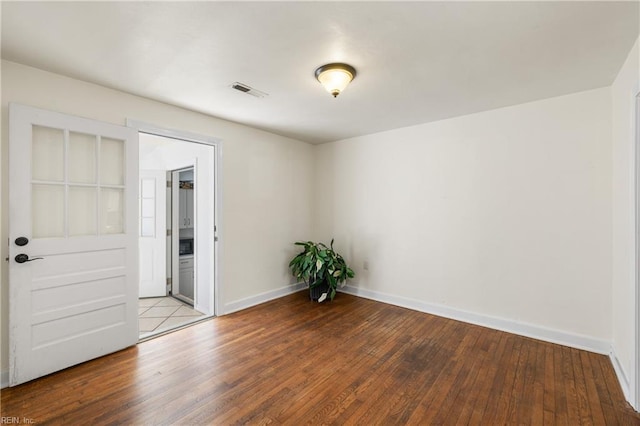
(153, 225)
(73, 235)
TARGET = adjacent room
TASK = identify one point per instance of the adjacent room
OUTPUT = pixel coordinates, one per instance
(470, 166)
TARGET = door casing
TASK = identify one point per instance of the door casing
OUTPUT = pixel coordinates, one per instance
(216, 144)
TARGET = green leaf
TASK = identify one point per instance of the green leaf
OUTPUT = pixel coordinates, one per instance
(332, 281)
(318, 264)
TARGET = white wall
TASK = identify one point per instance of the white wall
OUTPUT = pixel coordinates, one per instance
(623, 94)
(266, 180)
(501, 217)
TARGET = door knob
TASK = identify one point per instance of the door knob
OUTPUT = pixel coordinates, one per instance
(21, 258)
(22, 241)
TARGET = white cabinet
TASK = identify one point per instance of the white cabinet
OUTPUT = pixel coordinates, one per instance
(185, 217)
(186, 277)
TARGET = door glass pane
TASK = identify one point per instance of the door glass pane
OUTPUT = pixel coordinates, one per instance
(82, 158)
(148, 188)
(112, 162)
(83, 219)
(112, 211)
(47, 215)
(148, 227)
(47, 154)
(148, 207)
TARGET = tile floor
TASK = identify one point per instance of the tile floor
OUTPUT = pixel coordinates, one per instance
(159, 314)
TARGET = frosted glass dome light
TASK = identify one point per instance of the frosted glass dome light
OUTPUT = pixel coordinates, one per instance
(335, 77)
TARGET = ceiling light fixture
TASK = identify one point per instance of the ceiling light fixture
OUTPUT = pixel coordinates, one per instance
(335, 77)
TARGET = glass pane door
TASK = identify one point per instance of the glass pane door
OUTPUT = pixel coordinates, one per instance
(77, 183)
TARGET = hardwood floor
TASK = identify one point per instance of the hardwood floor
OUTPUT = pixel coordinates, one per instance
(351, 361)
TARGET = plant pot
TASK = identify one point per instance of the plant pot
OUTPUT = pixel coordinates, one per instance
(316, 292)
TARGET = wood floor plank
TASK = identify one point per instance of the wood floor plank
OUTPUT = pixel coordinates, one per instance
(484, 398)
(595, 407)
(562, 402)
(350, 362)
(518, 405)
(537, 382)
(499, 384)
(548, 381)
(571, 392)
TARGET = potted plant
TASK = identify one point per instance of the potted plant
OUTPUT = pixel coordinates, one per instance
(321, 268)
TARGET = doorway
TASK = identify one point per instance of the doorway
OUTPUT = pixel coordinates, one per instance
(167, 249)
(184, 206)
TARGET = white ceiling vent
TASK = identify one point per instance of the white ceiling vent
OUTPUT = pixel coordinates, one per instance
(248, 90)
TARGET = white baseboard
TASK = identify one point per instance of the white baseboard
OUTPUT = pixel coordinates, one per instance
(523, 329)
(623, 378)
(262, 297)
(4, 379)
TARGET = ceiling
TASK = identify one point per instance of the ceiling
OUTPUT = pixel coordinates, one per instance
(417, 62)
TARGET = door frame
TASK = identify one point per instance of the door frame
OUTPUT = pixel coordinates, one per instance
(216, 143)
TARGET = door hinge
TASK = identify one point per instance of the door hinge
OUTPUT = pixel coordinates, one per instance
(168, 232)
(168, 184)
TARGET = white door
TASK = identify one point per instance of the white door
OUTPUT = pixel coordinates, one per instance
(73, 255)
(153, 231)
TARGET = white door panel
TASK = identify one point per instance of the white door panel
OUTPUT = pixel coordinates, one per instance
(153, 240)
(72, 194)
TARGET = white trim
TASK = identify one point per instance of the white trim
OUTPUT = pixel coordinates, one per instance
(633, 391)
(172, 133)
(218, 196)
(523, 329)
(4, 379)
(623, 378)
(248, 302)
